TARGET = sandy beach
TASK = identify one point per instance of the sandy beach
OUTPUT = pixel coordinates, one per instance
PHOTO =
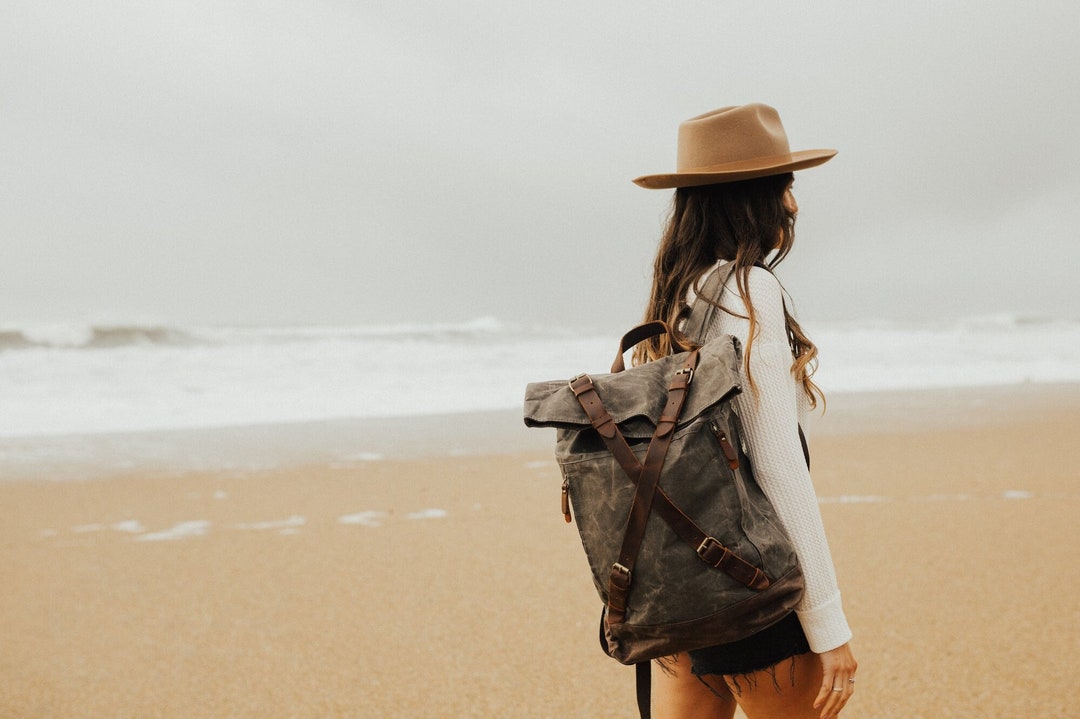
(433, 576)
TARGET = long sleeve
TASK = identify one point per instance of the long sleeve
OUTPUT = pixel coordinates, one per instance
(770, 417)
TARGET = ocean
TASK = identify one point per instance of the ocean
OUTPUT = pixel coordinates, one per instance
(84, 401)
(90, 380)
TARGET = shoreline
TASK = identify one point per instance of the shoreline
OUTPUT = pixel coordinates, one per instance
(348, 442)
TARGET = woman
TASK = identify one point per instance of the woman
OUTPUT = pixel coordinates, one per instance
(733, 203)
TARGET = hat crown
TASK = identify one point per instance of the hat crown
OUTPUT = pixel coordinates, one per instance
(733, 144)
(731, 134)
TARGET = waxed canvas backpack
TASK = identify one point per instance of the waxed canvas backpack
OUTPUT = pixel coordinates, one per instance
(685, 549)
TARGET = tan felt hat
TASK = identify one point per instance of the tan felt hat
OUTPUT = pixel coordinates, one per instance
(730, 144)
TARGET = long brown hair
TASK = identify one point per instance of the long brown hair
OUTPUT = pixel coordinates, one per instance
(742, 222)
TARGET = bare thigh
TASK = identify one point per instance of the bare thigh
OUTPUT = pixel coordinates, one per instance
(679, 694)
(784, 691)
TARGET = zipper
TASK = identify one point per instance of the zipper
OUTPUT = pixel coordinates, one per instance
(742, 435)
(730, 454)
(566, 500)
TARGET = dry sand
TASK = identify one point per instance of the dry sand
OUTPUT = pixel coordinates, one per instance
(452, 587)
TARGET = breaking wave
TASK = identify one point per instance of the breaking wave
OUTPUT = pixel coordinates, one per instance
(103, 336)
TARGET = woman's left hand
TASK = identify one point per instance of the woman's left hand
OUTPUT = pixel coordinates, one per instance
(838, 680)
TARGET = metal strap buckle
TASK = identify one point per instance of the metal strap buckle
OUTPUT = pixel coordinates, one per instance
(707, 544)
(575, 379)
(687, 371)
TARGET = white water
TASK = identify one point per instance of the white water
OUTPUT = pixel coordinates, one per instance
(90, 380)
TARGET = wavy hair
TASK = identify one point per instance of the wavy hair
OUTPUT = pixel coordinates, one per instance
(742, 222)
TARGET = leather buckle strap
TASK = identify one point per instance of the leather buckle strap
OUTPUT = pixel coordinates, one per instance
(722, 558)
(618, 590)
(620, 575)
(648, 477)
(707, 550)
(583, 388)
(677, 389)
(575, 379)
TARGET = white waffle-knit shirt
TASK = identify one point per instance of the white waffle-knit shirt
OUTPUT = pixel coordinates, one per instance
(770, 418)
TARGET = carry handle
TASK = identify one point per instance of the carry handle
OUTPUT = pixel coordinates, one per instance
(640, 334)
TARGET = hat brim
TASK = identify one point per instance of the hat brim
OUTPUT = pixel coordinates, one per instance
(735, 171)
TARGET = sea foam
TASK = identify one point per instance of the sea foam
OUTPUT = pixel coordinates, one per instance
(129, 378)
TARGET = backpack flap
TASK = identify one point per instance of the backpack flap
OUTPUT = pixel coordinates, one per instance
(635, 398)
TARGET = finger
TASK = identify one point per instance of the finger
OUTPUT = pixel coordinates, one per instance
(825, 695)
(832, 705)
(840, 698)
(849, 690)
(840, 705)
(828, 676)
(836, 699)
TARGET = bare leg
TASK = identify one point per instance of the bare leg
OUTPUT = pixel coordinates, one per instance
(785, 691)
(678, 694)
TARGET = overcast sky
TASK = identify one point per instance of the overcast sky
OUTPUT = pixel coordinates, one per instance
(379, 162)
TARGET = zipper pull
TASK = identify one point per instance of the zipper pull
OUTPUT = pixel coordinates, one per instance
(566, 500)
(725, 446)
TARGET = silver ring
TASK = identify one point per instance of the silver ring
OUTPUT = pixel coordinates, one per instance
(838, 689)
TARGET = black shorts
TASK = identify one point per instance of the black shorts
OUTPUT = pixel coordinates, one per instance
(758, 651)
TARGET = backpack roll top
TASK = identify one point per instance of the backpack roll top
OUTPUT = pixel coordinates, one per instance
(635, 398)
